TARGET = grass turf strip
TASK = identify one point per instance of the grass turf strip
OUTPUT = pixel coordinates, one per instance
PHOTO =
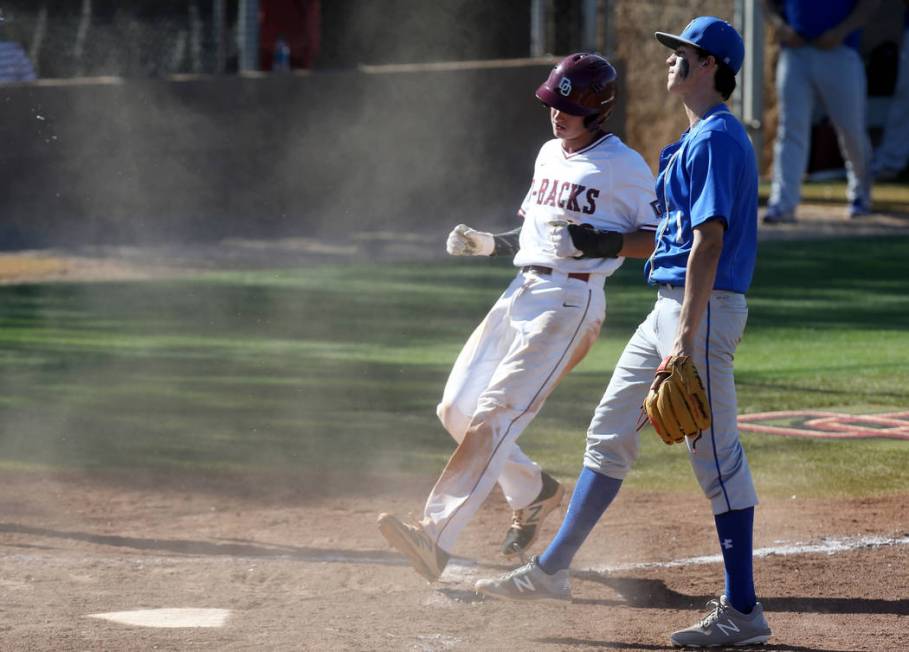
(340, 367)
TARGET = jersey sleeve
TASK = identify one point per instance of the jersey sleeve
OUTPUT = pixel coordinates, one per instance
(636, 192)
(525, 205)
(713, 169)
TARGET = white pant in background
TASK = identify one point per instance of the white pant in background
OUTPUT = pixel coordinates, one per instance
(536, 332)
(893, 154)
(836, 77)
(716, 456)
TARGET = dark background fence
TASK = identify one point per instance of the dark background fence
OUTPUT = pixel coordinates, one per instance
(307, 154)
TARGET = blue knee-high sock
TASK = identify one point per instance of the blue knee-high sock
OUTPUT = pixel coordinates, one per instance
(592, 495)
(735, 530)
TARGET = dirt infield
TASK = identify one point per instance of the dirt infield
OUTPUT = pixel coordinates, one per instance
(299, 565)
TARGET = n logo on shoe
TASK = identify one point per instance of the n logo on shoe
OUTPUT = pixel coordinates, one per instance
(524, 583)
(731, 627)
(534, 514)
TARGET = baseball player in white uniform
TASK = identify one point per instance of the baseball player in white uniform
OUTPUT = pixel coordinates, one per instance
(543, 324)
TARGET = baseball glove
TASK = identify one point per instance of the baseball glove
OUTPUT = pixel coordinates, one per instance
(676, 404)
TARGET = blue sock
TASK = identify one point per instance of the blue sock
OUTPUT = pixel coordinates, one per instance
(735, 530)
(592, 495)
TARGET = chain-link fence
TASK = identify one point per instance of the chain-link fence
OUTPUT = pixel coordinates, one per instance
(142, 38)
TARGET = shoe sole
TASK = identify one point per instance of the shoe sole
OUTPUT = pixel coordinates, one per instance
(556, 501)
(511, 598)
(760, 639)
(390, 527)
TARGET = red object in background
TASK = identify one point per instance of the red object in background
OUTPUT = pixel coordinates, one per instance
(297, 22)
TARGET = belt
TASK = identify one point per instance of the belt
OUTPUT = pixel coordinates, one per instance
(539, 269)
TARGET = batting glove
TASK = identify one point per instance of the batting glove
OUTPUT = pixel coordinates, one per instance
(464, 241)
(562, 244)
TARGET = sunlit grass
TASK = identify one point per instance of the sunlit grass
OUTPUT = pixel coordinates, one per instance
(338, 369)
(890, 197)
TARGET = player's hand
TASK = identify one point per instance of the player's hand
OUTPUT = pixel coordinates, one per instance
(562, 244)
(832, 38)
(788, 37)
(464, 241)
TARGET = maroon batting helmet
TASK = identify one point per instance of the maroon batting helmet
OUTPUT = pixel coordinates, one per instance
(582, 84)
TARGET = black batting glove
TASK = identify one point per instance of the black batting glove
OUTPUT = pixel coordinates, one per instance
(593, 243)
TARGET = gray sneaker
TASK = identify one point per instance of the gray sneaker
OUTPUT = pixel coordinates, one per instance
(724, 626)
(528, 582)
(525, 523)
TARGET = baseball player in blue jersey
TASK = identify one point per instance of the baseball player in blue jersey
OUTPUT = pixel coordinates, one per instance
(705, 253)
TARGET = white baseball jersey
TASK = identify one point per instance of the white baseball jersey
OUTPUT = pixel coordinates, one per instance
(607, 184)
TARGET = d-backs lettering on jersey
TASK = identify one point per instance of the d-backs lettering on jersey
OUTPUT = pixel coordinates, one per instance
(564, 194)
(607, 184)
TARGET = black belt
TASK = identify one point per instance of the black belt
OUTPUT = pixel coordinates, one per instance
(539, 269)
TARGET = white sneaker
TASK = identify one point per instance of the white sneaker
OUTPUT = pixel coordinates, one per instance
(725, 626)
(528, 582)
(425, 556)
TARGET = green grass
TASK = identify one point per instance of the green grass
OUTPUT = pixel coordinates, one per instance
(338, 368)
(891, 197)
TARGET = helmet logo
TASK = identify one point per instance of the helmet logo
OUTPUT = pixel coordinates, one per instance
(565, 86)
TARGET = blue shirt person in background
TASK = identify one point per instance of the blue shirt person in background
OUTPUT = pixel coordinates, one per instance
(819, 61)
(15, 66)
(702, 265)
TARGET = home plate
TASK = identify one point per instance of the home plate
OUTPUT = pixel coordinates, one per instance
(167, 617)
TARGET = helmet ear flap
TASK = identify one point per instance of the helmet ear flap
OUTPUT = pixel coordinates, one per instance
(594, 122)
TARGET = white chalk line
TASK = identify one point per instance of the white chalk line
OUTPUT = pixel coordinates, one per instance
(463, 569)
(827, 546)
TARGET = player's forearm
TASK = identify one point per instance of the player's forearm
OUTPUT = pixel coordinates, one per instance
(858, 16)
(638, 244)
(773, 14)
(507, 244)
(835, 36)
(699, 278)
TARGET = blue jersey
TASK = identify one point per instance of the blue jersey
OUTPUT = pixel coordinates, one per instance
(709, 173)
(811, 18)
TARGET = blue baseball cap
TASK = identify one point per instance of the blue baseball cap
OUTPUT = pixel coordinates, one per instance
(713, 35)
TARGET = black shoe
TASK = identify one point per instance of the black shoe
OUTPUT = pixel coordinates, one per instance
(526, 522)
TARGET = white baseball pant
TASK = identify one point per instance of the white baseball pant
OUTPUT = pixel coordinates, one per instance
(716, 456)
(894, 150)
(837, 78)
(536, 332)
